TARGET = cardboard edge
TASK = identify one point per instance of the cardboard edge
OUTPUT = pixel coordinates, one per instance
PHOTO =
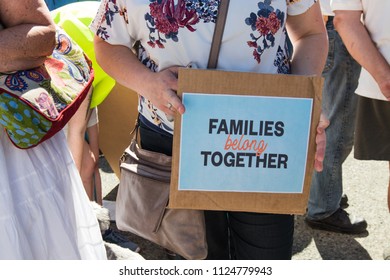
(196, 80)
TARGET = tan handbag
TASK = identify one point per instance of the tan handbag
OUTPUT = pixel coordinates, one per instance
(141, 204)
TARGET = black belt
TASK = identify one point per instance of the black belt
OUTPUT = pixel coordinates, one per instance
(155, 128)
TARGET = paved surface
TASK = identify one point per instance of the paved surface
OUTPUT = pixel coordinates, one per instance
(365, 183)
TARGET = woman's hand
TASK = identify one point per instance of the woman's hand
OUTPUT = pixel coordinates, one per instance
(320, 143)
(163, 92)
(123, 65)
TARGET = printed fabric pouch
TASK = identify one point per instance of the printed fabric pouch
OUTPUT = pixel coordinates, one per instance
(37, 103)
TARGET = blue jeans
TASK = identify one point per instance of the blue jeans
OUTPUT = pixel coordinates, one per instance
(339, 101)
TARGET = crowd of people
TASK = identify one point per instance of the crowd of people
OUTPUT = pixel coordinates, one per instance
(141, 45)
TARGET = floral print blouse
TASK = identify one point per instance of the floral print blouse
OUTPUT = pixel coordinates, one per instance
(179, 32)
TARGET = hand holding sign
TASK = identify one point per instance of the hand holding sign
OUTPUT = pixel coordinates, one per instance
(247, 141)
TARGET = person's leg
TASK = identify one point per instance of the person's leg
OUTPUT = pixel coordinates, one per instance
(373, 137)
(257, 236)
(217, 235)
(341, 75)
(93, 140)
(90, 171)
(373, 132)
(87, 171)
(76, 131)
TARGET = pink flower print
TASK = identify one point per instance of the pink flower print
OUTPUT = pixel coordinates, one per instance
(261, 25)
(257, 56)
(55, 66)
(273, 23)
(252, 44)
(268, 25)
(46, 104)
(264, 24)
(167, 18)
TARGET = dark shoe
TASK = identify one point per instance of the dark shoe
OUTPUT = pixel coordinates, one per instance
(116, 238)
(340, 221)
(344, 201)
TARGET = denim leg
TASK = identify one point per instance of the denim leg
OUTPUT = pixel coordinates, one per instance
(339, 103)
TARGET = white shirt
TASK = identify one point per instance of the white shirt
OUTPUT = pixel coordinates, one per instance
(254, 38)
(325, 8)
(377, 21)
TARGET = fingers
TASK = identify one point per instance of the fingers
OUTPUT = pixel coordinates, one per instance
(174, 104)
(162, 92)
(320, 143)
(320, 152)
(323, 124)
(171, 103)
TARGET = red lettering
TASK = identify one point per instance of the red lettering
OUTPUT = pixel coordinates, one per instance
(245, 145)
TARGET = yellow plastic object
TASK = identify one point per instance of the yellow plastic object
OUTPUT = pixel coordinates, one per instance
(75, 19)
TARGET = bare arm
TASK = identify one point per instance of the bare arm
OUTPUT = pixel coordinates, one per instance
(122, 64)
(309, 38)
(359, 44)
(28, 34)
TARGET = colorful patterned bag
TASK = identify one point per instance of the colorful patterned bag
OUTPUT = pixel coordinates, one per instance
(35, 104)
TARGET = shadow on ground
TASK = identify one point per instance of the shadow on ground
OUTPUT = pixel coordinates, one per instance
(315, 244)
(329, 245)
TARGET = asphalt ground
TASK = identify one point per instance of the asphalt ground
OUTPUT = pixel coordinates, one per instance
(365, 183)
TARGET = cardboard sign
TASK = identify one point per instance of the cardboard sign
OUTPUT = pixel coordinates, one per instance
(117, 116)
(246, 141)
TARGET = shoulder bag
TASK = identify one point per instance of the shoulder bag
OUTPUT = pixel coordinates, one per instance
(142, 199)
(37, 103)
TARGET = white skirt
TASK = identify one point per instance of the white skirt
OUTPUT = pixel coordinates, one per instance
(44, 210)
